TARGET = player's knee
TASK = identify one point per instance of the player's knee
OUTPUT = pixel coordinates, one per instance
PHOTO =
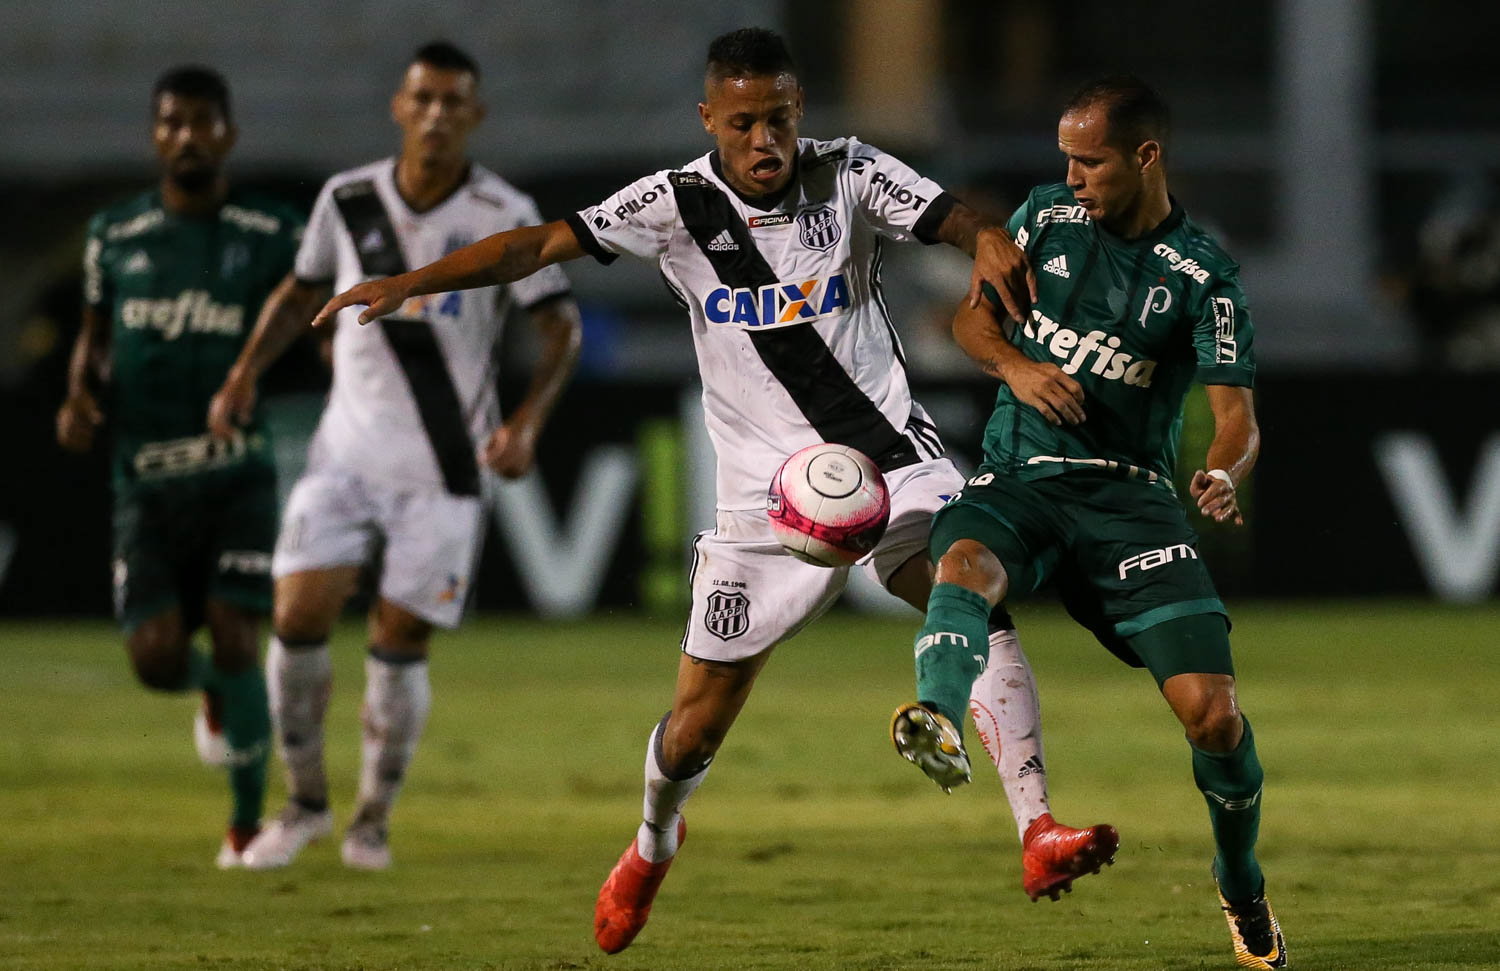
(160, 663)
(396, 631)
(687, 746)
(296, 622)
(1214, 725)
(970, 564)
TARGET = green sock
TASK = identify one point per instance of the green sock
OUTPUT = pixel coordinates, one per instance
(197, 672)
(1231, 785)
(952, 649)
(247, 729)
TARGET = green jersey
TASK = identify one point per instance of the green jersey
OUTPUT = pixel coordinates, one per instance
(1132, 321)
(181, 294)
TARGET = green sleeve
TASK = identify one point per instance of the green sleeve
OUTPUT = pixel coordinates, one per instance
(96, 289)
(1016, 226)
(1018, 223)
(1224, 338)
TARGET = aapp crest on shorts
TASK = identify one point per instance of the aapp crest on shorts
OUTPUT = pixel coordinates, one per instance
(819, 227)
(728, 615)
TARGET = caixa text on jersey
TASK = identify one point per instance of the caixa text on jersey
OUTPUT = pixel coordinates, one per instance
(777, 304)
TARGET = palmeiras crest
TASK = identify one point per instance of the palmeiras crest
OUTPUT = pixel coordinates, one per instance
(728, 615)
(818, 227)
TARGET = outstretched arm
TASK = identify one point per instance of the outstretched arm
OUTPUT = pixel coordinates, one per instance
(500, 258)
(1231, 455)
(997, 260)
(511, 448)
(283, 318)
(1043, 386)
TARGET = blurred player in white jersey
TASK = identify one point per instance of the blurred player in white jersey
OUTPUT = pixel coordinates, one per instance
(393, 477)
(773, 244)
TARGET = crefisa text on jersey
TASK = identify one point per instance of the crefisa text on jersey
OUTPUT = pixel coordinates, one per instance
(1180, 263)
(1073, 349)
(777, 304)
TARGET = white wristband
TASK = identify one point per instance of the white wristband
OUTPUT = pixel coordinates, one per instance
(1222, 476)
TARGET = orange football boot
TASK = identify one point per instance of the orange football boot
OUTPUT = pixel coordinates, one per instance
(625, 899)
(1054, 855)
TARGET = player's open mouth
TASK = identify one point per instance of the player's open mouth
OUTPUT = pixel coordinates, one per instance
(766, 169)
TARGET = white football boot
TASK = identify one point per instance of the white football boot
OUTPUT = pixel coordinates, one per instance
(280, 842)
(366, 847)
(208, 737)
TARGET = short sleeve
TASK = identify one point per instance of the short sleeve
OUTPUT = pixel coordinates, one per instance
(1223, 338)
(637, 220)
(95, 288)
(317, 255)
(545, 284)
(1019, 225)
(896, 201)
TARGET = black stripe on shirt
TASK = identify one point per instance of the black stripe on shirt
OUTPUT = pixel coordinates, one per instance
(926, 433)
(421, 358)
(796, 356)
(932, 218)
(876, 264)
(413, 342)
(587, 241)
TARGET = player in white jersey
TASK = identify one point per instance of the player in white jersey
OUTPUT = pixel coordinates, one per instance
(394, 470)
(773, 245)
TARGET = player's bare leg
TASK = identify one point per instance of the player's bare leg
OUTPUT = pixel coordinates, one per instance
(1007, 716)
(708, 698)
(299, 676)
(237, 687)
(967, 585)
(398, 697)
(1228, 772)
(164, 659)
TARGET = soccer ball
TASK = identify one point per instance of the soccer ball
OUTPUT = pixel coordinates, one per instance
(828, 505)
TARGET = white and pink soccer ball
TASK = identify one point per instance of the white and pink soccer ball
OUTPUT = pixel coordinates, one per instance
(828, 505)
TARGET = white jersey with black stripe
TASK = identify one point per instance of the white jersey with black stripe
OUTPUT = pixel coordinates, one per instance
(388, 416)
(794, 342)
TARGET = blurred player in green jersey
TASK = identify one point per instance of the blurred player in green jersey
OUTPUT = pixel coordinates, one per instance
(173, 279)
(1134, 303)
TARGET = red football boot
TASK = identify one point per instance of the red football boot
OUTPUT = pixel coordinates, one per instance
(1054, 855)
(625, 899)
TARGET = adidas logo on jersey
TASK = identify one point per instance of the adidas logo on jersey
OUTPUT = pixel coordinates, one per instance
(1057, 265)
(722, 243)
(777, 304)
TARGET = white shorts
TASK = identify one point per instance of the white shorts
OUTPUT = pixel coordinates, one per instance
(428, 540)
(750, 594)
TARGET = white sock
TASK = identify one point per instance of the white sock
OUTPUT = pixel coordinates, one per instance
(656, 840)
(398, 697)
(298, 682)
(1008, 720)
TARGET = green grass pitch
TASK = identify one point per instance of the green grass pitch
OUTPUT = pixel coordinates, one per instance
(811, 845)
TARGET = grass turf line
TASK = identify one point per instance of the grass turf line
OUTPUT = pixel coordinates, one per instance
(812, 845)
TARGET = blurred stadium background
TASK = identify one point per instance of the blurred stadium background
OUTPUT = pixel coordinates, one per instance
(1347, 152)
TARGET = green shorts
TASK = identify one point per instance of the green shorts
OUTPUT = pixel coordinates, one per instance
(1120, 553)
(184, 541)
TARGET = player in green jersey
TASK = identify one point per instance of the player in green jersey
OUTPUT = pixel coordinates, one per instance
(173, 279)
(1134, 302)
